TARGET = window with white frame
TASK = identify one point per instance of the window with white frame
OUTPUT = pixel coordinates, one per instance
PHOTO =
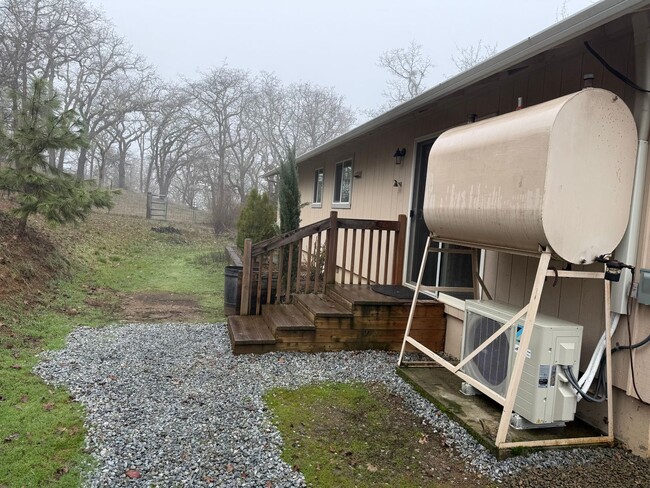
(342, 184)
(319, 178)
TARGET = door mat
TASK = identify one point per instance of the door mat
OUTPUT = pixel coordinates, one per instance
(399, 291)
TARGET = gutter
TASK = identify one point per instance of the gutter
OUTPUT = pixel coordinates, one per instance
(579, 23)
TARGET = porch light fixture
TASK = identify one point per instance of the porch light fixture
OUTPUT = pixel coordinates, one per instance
(399, 155)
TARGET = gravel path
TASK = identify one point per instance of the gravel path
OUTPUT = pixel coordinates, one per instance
(172, 403)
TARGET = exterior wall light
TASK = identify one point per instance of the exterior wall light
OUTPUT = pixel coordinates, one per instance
(399, 155)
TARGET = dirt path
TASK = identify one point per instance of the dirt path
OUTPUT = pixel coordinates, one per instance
(160, 306)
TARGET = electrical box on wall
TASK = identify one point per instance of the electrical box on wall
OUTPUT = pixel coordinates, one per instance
(643, 291)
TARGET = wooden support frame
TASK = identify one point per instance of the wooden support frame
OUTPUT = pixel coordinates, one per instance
(530, 310)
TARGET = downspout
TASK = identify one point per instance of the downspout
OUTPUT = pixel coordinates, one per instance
(627, 250)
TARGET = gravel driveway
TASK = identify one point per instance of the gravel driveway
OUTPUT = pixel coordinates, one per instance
(171, 403)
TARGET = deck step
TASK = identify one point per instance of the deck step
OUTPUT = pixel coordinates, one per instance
(334, 292)
(249, 329)
(285, 317)
(317, 305)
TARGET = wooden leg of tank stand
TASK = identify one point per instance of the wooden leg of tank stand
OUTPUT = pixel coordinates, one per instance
(608, 362)
(518, 366)
(415, 299)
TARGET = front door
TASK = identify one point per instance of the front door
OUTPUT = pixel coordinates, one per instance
(418, 229)
(453, 270)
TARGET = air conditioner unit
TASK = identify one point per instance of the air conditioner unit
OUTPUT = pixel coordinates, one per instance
(544, 395)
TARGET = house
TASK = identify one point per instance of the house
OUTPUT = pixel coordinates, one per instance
(377, 171)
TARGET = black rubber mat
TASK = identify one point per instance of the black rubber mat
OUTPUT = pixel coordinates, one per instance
(398, 291)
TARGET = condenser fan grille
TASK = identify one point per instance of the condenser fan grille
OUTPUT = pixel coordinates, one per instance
(490, 366)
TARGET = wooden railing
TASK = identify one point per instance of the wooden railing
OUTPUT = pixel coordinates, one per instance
(307, 259)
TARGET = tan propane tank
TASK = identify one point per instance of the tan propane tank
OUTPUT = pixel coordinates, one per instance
(556, 174)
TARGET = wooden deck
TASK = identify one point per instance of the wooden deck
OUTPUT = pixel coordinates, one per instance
(345, 317)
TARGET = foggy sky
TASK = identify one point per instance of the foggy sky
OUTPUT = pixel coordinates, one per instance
(330, 43)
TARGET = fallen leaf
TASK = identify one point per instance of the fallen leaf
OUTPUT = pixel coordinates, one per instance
(371, 468)
(134, 474)
(424, 439)
(282, 361)
(268, 484)
(208, 479)
(295, 467)
(12, 437)
(24, 399)
(48, 406)
(16, 366)
(244, 475)
(230, 468)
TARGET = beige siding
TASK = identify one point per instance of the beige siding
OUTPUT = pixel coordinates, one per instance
(509, 278)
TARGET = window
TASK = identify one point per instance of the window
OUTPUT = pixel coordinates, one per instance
(342, 184)
(317, 200)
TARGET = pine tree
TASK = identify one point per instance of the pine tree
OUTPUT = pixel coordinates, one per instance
(257, 219)
(289, 193)
(39, 187)
(289, 202)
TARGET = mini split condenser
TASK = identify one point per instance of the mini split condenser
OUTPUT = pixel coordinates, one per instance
(544, 395)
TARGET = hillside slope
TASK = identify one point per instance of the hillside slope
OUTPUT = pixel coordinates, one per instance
(107, 269)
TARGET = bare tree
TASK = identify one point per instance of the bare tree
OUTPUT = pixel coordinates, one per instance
(469, 56)
(322, 115)
(275, 115)
(172, 138)
(220, 100)
(407, 69)
(207, 142)
(562, 11)
(188, 185)
(301, 115)
(36, 37)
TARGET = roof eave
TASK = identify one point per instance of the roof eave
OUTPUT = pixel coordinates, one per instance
(583, 21)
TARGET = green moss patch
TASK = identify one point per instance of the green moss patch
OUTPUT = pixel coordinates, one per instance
(356, 435)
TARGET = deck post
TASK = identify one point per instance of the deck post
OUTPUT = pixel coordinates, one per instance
(332, 247)
(245, 303)
(398, 252)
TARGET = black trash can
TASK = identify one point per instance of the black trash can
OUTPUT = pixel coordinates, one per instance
(232, 290)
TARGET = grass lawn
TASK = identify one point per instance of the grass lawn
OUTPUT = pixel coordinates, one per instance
(101, 261)
(355, 435)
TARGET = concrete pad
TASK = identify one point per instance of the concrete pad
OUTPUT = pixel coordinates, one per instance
(480, 415)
